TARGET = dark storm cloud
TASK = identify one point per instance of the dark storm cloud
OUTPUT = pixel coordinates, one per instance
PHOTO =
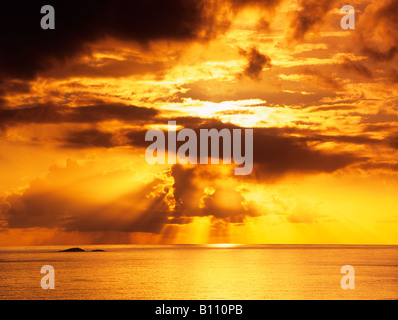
(192, 202)
(26, 49)
(393, 76)
(88, 138)
(310, 14)
(392, 140)
(107, 68)
(45, 204)
(372, 165)
(377, 127)
(380, 117)
(49, 113)
(277, 151)
(356, 139)
(356, 67)
(379, 55)
(322, 79)
(14, 86)
(238, 4)
(36, 209)
(381, 20)
(256, 62)
(102, 218)
(275, 155)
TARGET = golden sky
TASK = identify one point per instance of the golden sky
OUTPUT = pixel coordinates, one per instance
(76, 102)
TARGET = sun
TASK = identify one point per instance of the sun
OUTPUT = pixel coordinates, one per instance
(224, 245)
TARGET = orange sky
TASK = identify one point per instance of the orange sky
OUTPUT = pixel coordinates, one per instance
(75, 103)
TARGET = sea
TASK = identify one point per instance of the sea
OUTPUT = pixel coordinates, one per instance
(201, 272)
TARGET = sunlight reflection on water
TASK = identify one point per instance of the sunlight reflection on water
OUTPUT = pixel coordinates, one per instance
(218, 271)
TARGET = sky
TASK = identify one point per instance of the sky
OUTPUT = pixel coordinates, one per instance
(76, 102)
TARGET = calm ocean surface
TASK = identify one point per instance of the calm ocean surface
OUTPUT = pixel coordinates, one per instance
(200, 272)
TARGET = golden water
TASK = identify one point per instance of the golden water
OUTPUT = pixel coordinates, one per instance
(200, 272)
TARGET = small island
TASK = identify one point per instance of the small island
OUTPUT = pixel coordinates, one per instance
(73, 250)
(80, 250)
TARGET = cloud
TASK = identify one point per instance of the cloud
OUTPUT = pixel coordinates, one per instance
(322, 79)
(357, 68)
(175, 196)
(277, 151)
(14, 86)
(393, 76)
(333, 108)
(310, 14)
(50, 113)
(377, 127)
(381, 116)
(375, 165)
(74, 198)
(256, 62)
(238, 4)
(303, 211)
(88, 138)
(107, 67)
(214, 90)
(201, 191)
(355, 139)
(69, 198)
(79, 24)
(392, 140)
(276, 155)
(377, 35)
